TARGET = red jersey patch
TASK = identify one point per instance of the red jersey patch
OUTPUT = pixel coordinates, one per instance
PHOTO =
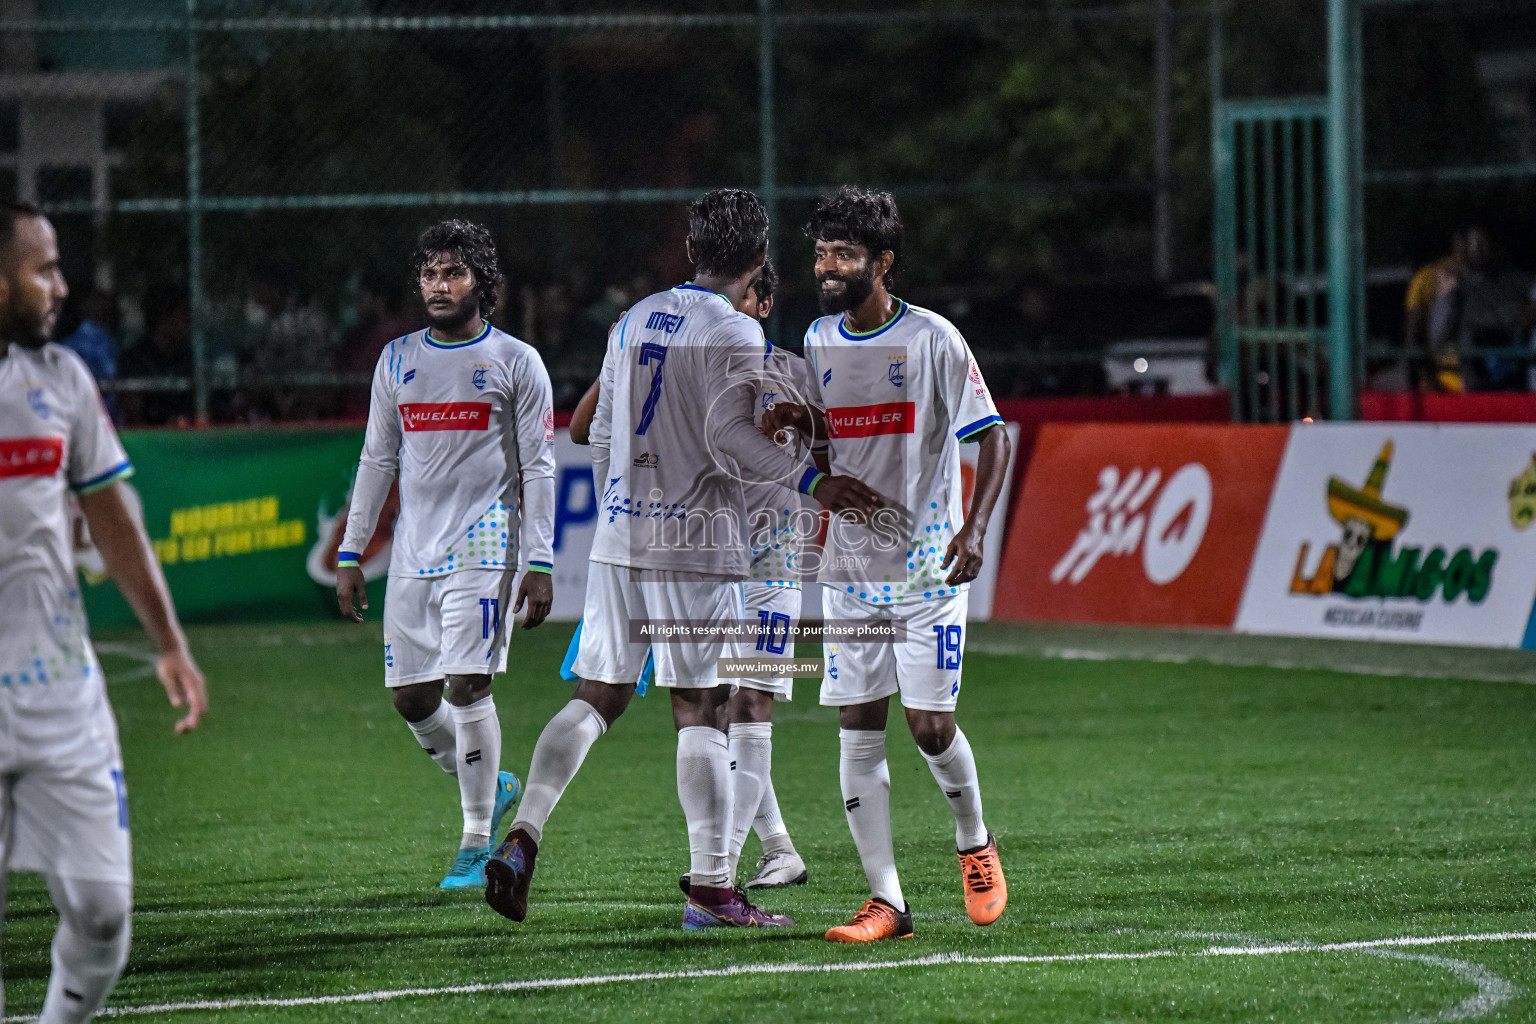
(871, 420)
(31, 456)
(445, 415)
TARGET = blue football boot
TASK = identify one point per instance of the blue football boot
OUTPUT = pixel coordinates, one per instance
(509, 790)
(468, 871)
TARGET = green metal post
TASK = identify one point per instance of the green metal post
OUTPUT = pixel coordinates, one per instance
(1357, 179)
(767, 144)
(1341, 218)
(196, 301)
(1222, 172)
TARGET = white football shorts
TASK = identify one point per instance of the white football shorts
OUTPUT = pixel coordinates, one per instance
(925, 669)
(617, 594)
(458, 624)
(64, 809)
(776, 610)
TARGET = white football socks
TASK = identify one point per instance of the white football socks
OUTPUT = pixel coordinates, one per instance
(89, 948)
(866, 782)
(435, 734)
(477, 735)
(704, 789)
(562, 746)
(955, 772)
(751, 750)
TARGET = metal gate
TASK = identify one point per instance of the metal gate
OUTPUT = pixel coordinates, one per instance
(1271, 257)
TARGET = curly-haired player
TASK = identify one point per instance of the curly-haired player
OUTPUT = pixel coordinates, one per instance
(895, 389)
(462, 414)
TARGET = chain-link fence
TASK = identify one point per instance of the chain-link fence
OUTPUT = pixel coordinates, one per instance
(243, 180)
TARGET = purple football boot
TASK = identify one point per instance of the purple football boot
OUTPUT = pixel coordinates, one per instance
(727, 908)
(508, 873)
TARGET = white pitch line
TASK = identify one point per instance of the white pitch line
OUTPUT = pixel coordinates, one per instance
(313, 910)
(935, 960)
(1492, 990)
(1238, 661)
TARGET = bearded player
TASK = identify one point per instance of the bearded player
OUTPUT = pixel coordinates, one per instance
(895, 389)
(673, 429)
(63, 806)
(462, 414)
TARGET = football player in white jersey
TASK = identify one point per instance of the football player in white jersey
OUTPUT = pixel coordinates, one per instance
(63, 806)
(673, 434)
(463, 414)
(779, 522)
(895, 390)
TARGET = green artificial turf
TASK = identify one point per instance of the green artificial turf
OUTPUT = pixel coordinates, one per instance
(291, 847)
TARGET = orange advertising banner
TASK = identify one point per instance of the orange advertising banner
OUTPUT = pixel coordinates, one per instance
(1138, 524)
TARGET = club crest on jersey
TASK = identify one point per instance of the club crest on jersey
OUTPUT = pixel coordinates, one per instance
(478, 377)
(39, 406)
(895, 373)
(770, 396)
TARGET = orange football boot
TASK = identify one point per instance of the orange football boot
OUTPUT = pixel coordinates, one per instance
(875, 920)
(986, 890)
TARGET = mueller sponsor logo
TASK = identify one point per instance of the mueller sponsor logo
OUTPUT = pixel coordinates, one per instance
(870, 420)
(31, 456)
(446, 415)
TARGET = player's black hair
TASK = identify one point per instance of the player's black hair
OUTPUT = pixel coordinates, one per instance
(864, 218)
(767, 282)
(12, 214)
(728, 229)
(470, 244)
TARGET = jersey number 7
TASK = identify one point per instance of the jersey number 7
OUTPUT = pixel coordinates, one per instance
(650, 352)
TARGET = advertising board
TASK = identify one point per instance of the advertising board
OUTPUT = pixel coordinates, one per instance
(1138, 524)
(1403, 532)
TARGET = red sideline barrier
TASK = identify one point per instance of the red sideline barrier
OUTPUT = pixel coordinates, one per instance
(1434, 407)
(1033, 413)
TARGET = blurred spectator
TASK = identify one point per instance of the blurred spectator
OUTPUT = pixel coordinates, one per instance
(1466, 301)
(295, 339)
(546, 317)
(165, 350)
(95, 340)
(1054, 362)
(378, 321)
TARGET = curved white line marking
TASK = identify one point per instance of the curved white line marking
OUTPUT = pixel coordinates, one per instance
(936, 960)
(1492, 990)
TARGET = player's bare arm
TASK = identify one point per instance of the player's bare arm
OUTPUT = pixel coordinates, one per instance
(809, 420)
(131, 562)
(964, 548)
(581, 419)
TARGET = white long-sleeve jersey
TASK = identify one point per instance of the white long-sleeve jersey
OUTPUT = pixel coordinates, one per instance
(462, 424)
(674, 436)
